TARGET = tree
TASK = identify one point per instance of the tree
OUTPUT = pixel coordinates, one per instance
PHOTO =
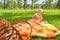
(55, 4)
(10, 4)
(4, 4)
(13, 3)
(58, 4)
(37, 6)
(43, 4)
(1, 5)
(25, 4)
(28, 6)
(19, 3)
(48, 4)
(33, 1)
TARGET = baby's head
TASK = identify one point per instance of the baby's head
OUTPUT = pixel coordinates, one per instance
(40, 11)
(38, 16)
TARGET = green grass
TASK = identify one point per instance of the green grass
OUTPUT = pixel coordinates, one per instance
(52, 16)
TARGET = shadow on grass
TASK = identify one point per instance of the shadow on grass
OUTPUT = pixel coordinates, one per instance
(51, 17)
(13, 16)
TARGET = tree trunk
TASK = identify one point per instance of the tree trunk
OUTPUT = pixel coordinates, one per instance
(58, 4)
(25, 4)
(4, 4)
(32, 5)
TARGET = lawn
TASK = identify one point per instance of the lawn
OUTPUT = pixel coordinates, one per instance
(52, 16)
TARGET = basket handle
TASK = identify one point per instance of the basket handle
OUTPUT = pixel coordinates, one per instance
(19, 21)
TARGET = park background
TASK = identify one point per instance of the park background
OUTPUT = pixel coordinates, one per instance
(25, 9)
